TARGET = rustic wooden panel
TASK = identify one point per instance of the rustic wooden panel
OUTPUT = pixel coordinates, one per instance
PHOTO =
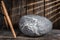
(26, 7)
(18, 10)
(39, 8)
(56, 25)
(36, 7)
(52, 9)
(16, 7)
(30, 7)
(52, 12)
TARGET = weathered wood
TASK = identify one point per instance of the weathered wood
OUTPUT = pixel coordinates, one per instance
(36, 7)
(39, 8)
(56, 20)
(52, 11)
(54, 35)
(8, 19)
(54, 16)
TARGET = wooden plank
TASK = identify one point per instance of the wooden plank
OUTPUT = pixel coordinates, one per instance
(42, 6)
(52, 11)
(8, 19)
(52, 2)
(54, 16)
(56, 19)
(53, 35)
(30, 7)
(52, 6)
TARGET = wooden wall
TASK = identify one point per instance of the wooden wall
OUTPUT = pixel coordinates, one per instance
(49, 9)
(52, 11)
(26, 7)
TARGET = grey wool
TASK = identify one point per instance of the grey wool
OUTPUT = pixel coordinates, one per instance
(34, 25)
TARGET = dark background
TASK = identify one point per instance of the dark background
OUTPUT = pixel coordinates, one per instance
(18, 8)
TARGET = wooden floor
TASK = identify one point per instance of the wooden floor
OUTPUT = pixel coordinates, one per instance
(7, 35)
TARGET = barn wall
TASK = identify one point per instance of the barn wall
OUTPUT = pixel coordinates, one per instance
(19, 8)
(26, 7)
(52, 11)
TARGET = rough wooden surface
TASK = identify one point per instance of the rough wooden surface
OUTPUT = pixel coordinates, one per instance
(7, 35)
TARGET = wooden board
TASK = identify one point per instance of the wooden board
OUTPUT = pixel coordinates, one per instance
(54, 35)
(36, 7)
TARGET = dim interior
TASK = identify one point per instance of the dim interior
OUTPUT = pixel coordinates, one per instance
(18, 8)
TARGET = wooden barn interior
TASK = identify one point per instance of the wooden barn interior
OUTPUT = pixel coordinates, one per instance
(18, 8)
